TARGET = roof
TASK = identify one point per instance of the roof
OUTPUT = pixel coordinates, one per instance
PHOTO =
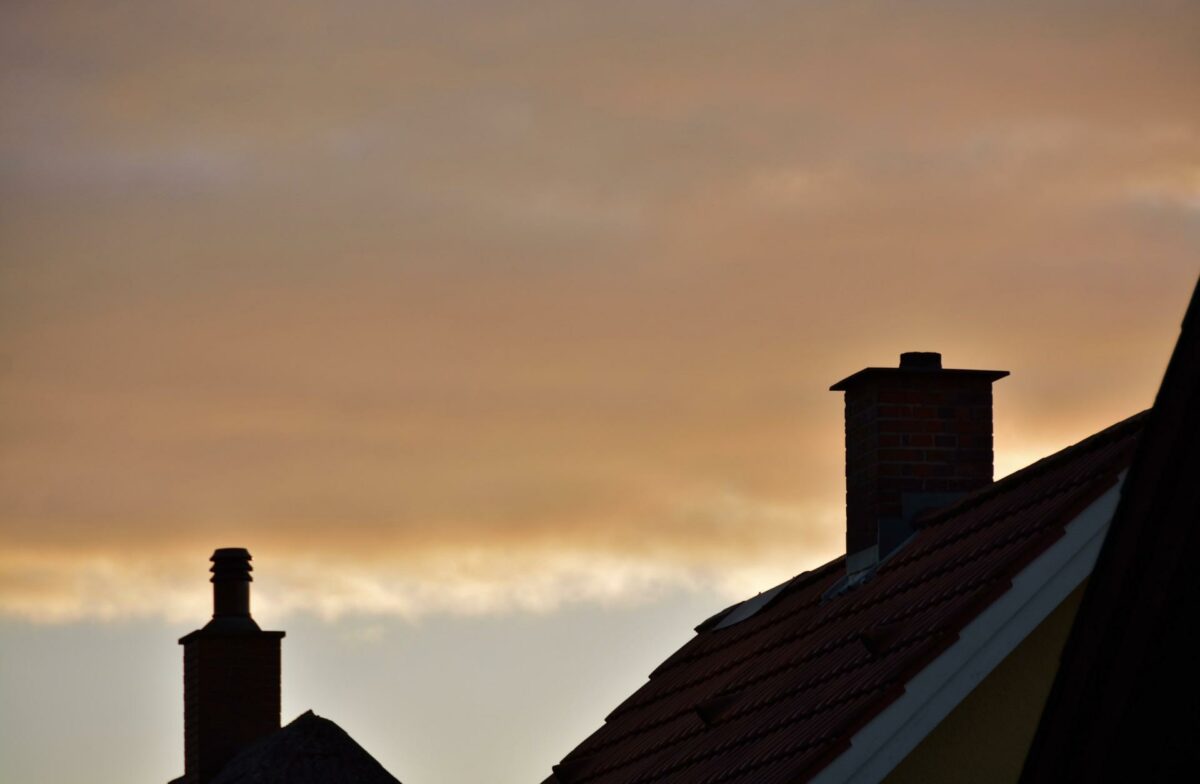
(777, 696)
(1128, 668)
(309, 749)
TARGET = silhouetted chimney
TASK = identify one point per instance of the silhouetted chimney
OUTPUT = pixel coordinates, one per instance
(230, 674)
(917, 436)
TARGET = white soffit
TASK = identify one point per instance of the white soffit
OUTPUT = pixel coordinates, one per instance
(932, 693)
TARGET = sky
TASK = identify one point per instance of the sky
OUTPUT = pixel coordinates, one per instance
(501, 333)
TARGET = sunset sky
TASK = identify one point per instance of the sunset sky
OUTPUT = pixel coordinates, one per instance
(501, 333)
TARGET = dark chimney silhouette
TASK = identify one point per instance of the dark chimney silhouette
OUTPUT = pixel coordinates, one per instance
(231, 674)
(917, 436)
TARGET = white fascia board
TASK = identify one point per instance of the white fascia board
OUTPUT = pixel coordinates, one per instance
(877, 748)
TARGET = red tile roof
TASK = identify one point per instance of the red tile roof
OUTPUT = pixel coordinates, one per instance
(778, 696)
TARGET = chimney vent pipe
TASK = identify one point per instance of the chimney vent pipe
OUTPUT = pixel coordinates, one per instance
(231, 582)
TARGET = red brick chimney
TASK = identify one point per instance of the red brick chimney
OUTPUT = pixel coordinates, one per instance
(917, 436)
(230, 674)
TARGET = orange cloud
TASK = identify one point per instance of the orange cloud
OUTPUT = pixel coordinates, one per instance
(513, 305)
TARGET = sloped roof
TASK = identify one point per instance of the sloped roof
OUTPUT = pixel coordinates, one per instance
(777, 696)
(309, 749)
(1128, 673)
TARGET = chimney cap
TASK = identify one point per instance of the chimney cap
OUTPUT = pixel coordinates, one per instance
(924, 360)
(231, 564)
(914, 365)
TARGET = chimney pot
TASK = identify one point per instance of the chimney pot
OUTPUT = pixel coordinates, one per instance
(921, 360)
(231, 582)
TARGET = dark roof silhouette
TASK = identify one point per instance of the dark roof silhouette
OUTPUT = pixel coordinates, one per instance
(1126, 694)
(777, 696)
(308, 750)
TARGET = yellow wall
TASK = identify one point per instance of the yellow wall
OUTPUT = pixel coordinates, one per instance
(985, 739)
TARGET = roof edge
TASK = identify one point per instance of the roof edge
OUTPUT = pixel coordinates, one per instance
(933, 692)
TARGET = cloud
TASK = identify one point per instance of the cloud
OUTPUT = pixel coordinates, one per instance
(509, 305)
(464, 576)
(1179, 190)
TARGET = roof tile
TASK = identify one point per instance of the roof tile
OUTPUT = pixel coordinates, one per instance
(776, 697)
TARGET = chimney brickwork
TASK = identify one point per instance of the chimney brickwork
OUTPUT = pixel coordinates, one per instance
(917, 436)
(231, 674)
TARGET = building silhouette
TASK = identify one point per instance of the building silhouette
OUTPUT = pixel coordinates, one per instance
(1124, 702)
(231, 702)
(936, 649)
(1034, 628)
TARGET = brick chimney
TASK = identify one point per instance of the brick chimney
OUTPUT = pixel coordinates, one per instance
(917, 436)
(230, 674)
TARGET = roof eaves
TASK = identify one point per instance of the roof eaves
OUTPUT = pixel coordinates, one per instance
(932, 692)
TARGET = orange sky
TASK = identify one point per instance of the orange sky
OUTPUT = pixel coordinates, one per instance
(506, 306)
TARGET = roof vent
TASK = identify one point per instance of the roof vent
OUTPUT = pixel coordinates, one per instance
(231, 589)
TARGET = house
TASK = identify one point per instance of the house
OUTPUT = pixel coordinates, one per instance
(927, 652)
(1127, 694)
(231, 688)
